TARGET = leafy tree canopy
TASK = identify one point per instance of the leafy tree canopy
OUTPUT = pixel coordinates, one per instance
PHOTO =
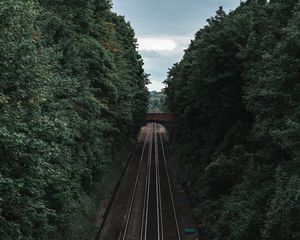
(72, 89)
(236, 94)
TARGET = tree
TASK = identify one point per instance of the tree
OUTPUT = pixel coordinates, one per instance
(72, 89)
(235, 95)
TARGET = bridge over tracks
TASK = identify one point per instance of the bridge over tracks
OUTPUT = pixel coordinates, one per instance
(160, 117)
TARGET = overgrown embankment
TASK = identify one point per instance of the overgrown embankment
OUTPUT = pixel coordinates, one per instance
(72, 92)
(236, 95)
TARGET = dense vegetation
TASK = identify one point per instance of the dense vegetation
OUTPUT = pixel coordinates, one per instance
(157, 102)
(236, 95)
(72, 89)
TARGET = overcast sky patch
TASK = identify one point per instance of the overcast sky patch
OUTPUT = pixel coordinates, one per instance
(156, 44)
(164, 28)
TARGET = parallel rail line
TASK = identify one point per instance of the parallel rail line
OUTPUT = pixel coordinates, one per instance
(152, 179)
(160, 227)
(170, 188)
(145, 218)
(134, 190)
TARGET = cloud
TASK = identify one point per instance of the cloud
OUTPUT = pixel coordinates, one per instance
(159, 54)
(156, 85)
(156, 44)
(163, 46)
(164, 28)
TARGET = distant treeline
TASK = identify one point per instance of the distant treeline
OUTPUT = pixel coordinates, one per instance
(72, 92)
(236, 96)
(157, 102)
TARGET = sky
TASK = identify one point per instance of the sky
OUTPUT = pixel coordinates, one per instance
(164, 28)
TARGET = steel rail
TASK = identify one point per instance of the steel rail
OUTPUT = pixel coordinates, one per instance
(135, 187)
(170, 188)
(159, 213)
(147, 190)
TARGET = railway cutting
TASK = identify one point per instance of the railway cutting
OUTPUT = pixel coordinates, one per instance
(145, 206)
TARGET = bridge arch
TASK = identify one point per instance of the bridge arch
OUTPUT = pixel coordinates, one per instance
(166, 119)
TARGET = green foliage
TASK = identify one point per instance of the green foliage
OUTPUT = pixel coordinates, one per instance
(157, 102)
(284, 207)
(72, 90)
(236, 94)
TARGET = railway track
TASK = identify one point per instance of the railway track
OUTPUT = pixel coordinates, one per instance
(151, 213)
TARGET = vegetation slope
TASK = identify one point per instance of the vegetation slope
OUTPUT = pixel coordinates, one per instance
(72, 92)
(236, 96)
